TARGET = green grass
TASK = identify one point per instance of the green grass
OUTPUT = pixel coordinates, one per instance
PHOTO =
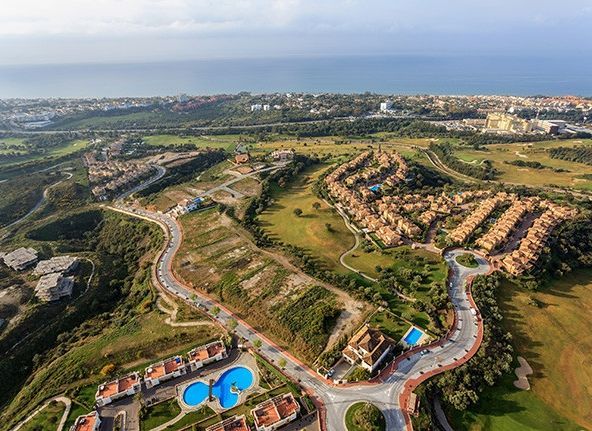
(67, 148)
(159, 414)
(467, 260)
(535, 152)
(506, 408)
(226, 142)
(379, 425)
(309, 230)
(47, 419)
(556, 341)
(389, 324)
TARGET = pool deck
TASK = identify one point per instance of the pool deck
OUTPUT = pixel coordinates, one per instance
(243, 360)
(423, 339)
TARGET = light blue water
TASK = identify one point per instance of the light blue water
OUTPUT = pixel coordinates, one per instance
(240, 378)
(375, 187)
(413, 337)
(400, 74)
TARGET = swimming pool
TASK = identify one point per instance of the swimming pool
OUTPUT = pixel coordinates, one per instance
(240, 378)
(413, 336)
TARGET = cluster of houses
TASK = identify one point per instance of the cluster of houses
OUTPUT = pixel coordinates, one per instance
(526, 255)
(160, 372)
(356, 193)
(476, 218)
(55, 280)
(112, 176)
(524, 258)
(506, 224)
(269, 415)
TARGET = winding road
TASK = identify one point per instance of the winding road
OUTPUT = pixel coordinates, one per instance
(390, 390)
(39, 203)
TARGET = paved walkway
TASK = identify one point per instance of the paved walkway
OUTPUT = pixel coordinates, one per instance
(65, 400)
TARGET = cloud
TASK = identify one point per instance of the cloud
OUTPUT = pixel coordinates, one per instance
(90, 29)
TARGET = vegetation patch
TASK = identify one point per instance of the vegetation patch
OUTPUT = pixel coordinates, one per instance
(364, 416)
(467, 260)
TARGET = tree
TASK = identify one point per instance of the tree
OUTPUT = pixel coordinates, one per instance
(297, 212)
(257, 343)
(232, 324)
(108, 369)
(215, 311)
(328, 227)
(316, 205)
(282, 363)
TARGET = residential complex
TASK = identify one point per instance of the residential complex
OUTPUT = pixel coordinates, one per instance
(524, 258)
(368, 347)
(475, 219)
(276, 412)
(164, 370)
(118, 388)
(21, 258)
(89, 422)
(206, 354)
(112, 176)
(235, 423)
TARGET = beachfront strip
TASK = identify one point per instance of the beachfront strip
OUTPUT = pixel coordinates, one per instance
(160, 372)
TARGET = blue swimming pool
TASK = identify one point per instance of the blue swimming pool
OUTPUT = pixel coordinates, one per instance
(413, 336)
(375, 187)
(240, 378)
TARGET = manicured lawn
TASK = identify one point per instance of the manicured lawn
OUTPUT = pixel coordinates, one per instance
(47, 419)
(506, 408)
(535, 152)
(400, 259)
(159, 414)
(309, 230)
(379, 425)
(389, 324)
(68, 147)
(218, 141)
(467, 260)
(555, 339)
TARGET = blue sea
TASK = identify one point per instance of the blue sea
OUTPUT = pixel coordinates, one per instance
(401, 74)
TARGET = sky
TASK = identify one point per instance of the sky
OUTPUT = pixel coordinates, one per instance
(106, 31)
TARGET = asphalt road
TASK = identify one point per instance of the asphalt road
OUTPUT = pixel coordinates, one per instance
(336, 399)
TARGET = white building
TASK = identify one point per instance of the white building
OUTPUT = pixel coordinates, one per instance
(52, 287)
(256, 107)
(61, 264)
(89, 422)
(206, 354)
(165, 370)
(386, 106)
(21, 258)
(118, 388)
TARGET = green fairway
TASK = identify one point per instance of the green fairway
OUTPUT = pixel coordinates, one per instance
(26, 155)
(226, 142)
(321, 231)
(506, 408)
(555, 172)
(555, 339)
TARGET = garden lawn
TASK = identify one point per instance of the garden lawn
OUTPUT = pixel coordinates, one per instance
(349, 420)
(309, 230)
(159, 414)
